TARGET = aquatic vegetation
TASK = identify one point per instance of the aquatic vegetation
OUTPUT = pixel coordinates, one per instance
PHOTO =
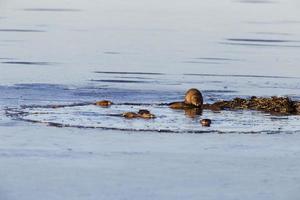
(273, 105)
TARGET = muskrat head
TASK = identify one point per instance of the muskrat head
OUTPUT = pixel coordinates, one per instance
(196, 101)
(194, 97)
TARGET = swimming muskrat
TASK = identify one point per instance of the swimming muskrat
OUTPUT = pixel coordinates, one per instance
(104, 103)
(145, 114)
(205, 122)
(193, 99)
(130, 115)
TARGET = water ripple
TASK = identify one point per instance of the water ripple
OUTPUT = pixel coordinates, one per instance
(26, 63)
(22, 30)
(52, 9)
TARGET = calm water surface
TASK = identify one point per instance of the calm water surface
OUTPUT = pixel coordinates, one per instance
(149, 52)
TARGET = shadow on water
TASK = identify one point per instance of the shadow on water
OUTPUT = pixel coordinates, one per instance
(52, 9)
(271, 33)
(261, 42)
(281, 22)
(258, 44)
(211, 60)
(7, 58)
(120, 81)
(11, 41)
(22, 30)
(134, 73)
(243, 76)
(26, 63)
(203, 62)
(256, 1)
(111, 52)
(217, 59)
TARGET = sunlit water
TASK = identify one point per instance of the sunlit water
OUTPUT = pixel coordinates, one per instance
(148, 52)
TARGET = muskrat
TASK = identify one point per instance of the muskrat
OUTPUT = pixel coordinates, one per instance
(145, 114)
(130, 115)
(205, 122)
(193, 97)
(104, 103)
(143, 111)
(179, 105)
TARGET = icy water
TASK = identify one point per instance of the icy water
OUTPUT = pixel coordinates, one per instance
(149, 53)
(142, 55)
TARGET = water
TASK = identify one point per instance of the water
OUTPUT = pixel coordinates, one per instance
(141, 55)
(39, 40)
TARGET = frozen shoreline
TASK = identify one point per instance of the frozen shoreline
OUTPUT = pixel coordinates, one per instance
(39, 162)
